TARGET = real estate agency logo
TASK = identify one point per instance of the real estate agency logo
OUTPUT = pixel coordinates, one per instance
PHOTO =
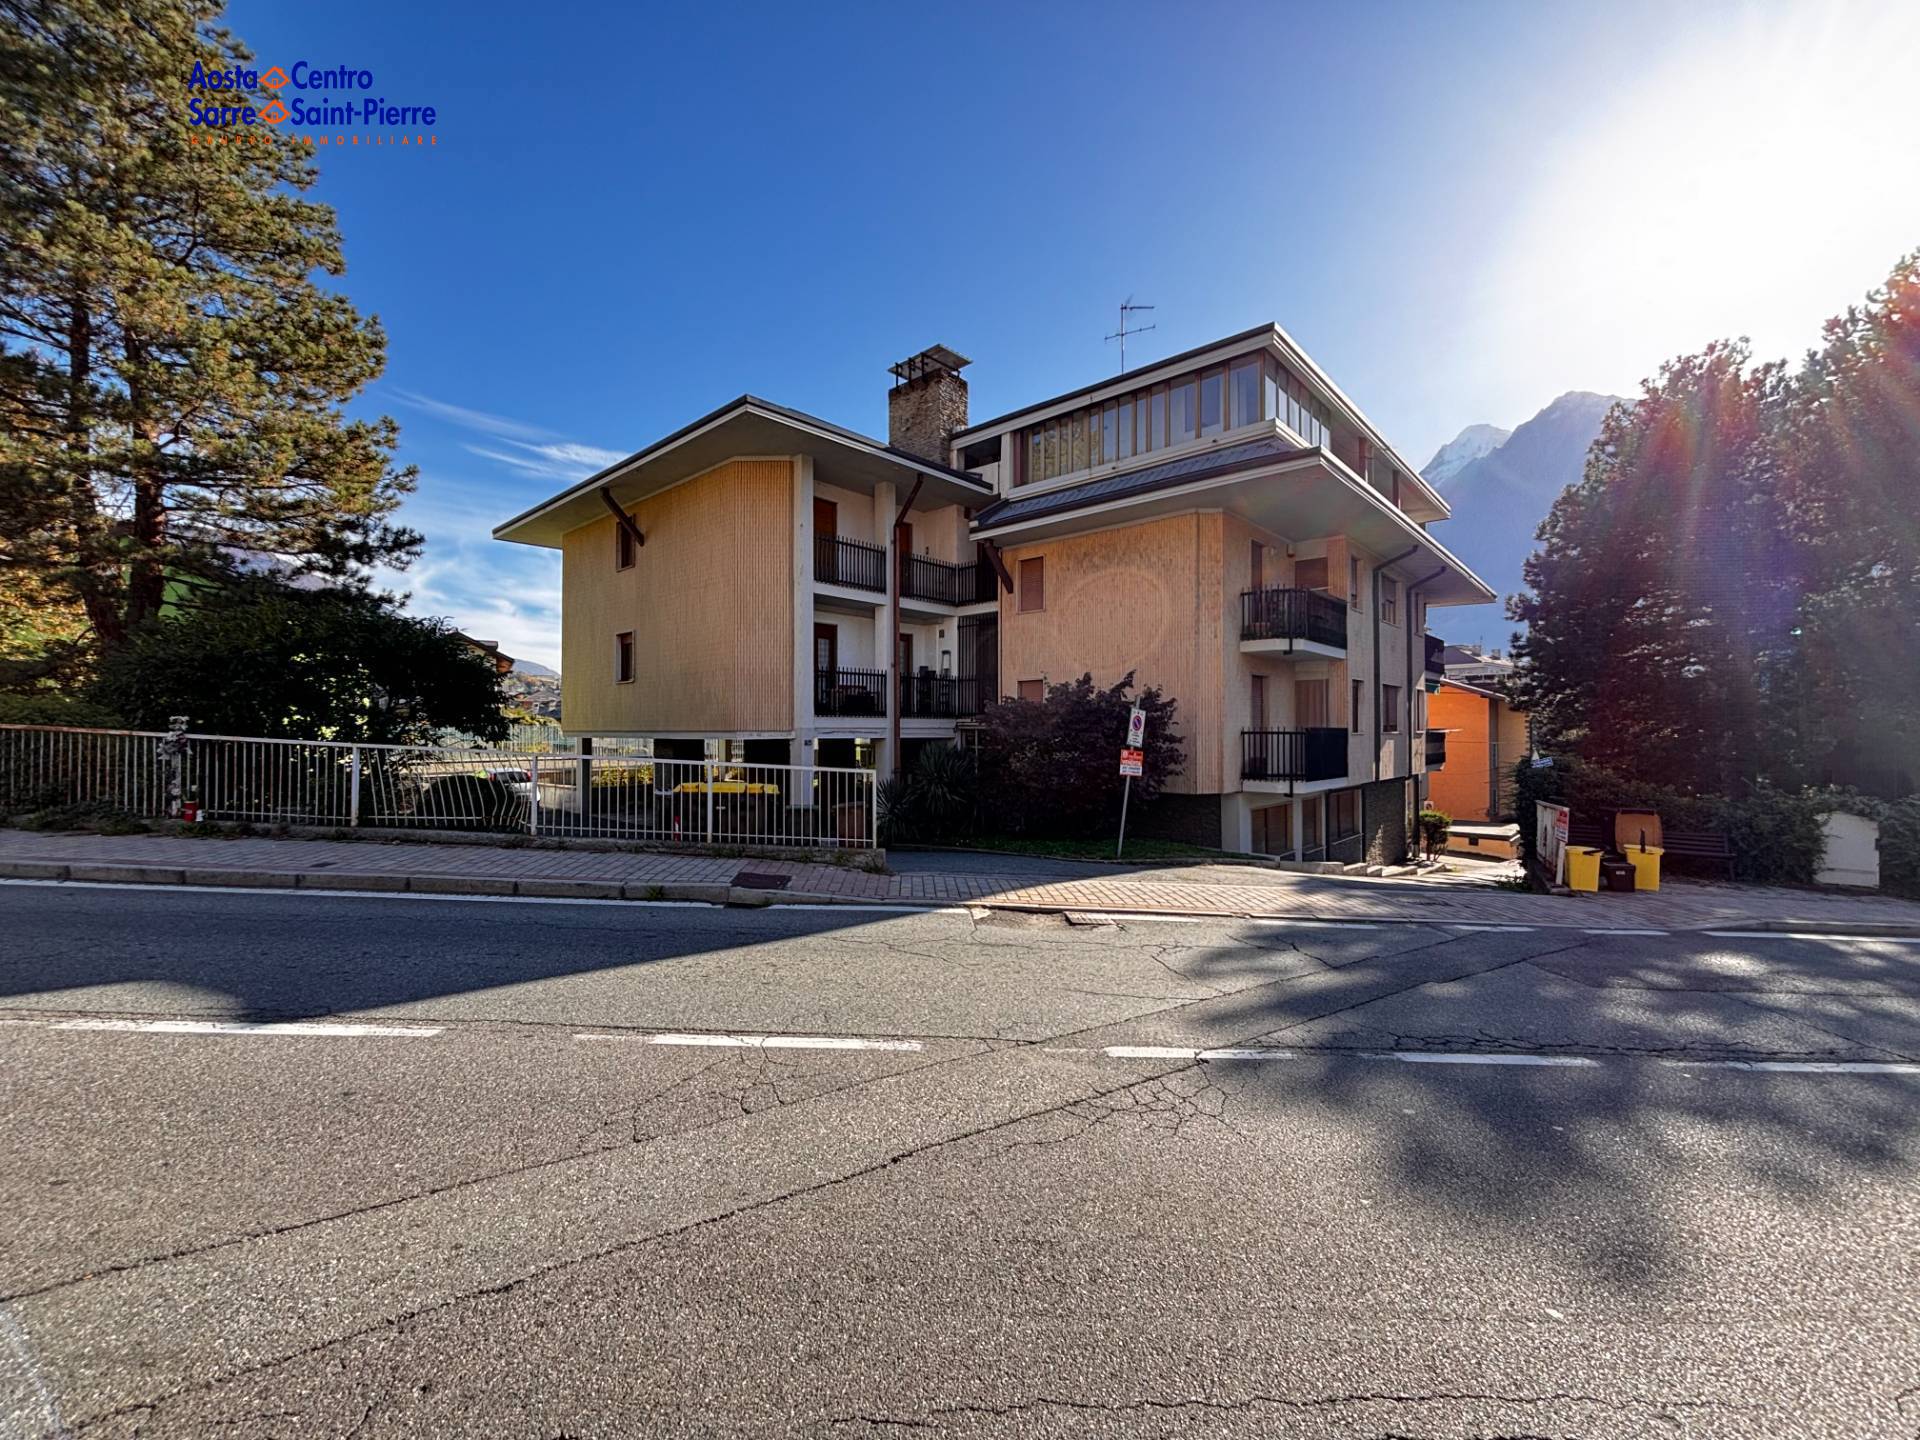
(319, 106)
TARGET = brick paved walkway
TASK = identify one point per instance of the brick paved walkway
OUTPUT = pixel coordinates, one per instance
(1195, 889)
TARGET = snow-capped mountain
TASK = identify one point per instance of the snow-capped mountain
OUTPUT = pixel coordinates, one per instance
(1501, 494)
(1461, 451)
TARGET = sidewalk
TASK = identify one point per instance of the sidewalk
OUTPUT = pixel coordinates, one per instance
(1183, 890)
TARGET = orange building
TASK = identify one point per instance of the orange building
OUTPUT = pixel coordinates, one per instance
(1485, 736)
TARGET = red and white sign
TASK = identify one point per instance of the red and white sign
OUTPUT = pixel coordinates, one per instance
(1133, 762)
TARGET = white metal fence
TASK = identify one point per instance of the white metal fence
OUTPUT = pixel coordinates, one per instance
(178, 774)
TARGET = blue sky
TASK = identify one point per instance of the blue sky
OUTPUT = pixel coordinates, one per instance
(632, 215)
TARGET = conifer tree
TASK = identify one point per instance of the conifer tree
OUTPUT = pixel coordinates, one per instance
(172, 371)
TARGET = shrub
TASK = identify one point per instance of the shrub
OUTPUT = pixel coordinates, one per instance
(46, 708)
(943, 791)
(1434, 825)
(1051, 766)
(899, 822)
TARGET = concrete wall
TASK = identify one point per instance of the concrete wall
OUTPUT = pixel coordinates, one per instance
(710, 599)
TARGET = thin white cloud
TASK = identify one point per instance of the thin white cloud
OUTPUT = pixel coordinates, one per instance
(562, 460)
(472, 419)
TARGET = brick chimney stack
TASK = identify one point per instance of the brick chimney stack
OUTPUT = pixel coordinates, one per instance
(927, 404)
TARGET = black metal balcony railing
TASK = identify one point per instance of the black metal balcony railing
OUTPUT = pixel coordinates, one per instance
(927, 696)
(839, 561)
(850, 692)
(924, 578)
(1318, 753)
(1436, 649)
(1436, 749)
(1280, 613)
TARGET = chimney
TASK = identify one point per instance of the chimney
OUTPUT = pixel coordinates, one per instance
(927, 403)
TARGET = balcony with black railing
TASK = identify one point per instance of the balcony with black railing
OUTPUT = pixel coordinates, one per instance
(1436, 749)
(1316, 753)
(927, 696)
(853, 563)
(1292, 614)
(924, 578)
(850, 692)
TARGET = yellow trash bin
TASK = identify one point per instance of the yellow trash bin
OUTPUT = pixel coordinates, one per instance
(1646, 866)
(1583, 868)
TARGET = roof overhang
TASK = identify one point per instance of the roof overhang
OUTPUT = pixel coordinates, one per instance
(748, 426)
(1302, 497)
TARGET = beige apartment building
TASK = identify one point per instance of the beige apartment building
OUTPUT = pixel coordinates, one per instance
(1225, 524)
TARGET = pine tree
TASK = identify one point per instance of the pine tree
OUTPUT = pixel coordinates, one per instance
(171, 372)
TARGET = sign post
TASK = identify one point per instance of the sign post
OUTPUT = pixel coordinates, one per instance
(1132, 762)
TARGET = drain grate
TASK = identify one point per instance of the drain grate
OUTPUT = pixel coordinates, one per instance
(761, 880)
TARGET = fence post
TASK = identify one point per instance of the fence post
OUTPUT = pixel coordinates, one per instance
(533, 797)
(353, 779)
(176, 748)
(706, 771)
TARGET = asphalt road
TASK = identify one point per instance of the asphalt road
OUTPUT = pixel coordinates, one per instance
(310, 1165)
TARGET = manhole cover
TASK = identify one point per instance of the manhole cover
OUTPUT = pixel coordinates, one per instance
(760, 880)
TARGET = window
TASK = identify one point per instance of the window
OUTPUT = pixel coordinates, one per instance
(1311, 574)
(1353, 581)
(1035, 690)
(1033, 584)
(1213, 386)
(1243, 392)
(622, 547)
(623, 657)
(1259, 702)
(1359, 699)
(1182, 421)
(1389, 601)
(1390, 709)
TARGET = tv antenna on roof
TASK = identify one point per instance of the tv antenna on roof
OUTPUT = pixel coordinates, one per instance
(1127, 309)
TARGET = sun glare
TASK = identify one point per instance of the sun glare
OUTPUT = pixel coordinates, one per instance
(1762, 174)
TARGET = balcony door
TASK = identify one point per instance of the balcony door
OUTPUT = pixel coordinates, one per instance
(1259, 568)
(826, 554)
(1259, 702)
(826, 649)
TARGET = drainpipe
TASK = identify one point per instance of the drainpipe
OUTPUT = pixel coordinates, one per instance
(894, 678)
(1393, 560)
(1413, 593)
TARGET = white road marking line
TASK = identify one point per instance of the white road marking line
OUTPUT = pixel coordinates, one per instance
(761, 1042)
(1804, 1067)
(1494, 929)
(1178, 1052)
(1436, 1057)
(242, 1027)
(1809, 935)
(1602, 931)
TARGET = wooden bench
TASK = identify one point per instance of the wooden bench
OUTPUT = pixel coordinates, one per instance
(1683, 844)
